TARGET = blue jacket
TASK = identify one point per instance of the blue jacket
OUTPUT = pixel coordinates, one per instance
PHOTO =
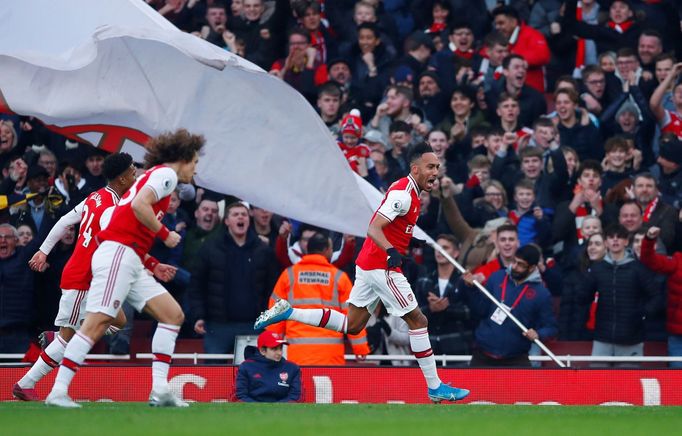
(534, 310)
(266, 381)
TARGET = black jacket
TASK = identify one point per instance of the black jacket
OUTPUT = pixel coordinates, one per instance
(627, 293)
(531, 102)
(16, 289)
(456, 318)
(231, 283)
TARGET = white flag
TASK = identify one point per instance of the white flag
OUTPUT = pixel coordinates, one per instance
(114, 72)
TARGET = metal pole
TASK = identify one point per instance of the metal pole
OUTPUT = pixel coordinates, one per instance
(485, 292)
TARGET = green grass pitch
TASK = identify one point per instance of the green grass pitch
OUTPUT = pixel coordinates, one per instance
(336, 419)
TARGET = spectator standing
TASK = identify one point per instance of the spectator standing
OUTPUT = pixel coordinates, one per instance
(16, 292)
(450, 323)
(205, 225)
(621, 30)
(524, 41)
(573, 313)
(314, 283)
(627, 292)
(499, 341)
(576, 129)
(231, 281)
(655, 212)
(513, 82)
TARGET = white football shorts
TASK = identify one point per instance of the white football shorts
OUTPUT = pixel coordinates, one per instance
(117, 276)
(391, 287)
(71, 308)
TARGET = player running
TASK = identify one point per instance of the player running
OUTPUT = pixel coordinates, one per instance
(378, 276)
(119, 274)
(92, 213)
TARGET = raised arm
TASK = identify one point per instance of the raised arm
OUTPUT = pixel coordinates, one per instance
(655, 103)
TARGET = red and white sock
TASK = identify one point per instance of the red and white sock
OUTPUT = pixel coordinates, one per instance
(163, 345)
(74, 355)
(421, 348)
(325, 318)
(49, 359)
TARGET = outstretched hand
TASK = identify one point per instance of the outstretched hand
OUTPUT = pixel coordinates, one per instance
(164, 272)
(38, 262)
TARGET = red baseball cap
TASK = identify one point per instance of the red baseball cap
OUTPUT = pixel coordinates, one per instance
(270, 339)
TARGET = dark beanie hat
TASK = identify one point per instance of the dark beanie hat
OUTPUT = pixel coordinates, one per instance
(671, 149)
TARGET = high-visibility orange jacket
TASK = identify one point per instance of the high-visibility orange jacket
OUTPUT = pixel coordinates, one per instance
(314, 283)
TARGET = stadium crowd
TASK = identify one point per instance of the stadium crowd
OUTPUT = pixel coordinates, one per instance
(558, 125)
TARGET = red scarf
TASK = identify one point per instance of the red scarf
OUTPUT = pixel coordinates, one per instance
(468, 54)
(622, 27)
(592, 317)
(580, 213)
(498, 73)
(436, 27)
(317, 41)
(650, 208)
(580, 48)
(514, 217)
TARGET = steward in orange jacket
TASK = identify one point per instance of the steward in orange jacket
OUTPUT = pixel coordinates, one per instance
(314, 283)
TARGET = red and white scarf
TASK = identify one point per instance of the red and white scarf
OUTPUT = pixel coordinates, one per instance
(580, 213)
(580, 48)
(622, 27)
(650, 208)
(465, 54)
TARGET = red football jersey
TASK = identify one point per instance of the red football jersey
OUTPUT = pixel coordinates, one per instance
(125, 228)
(401, 207)
(95, 212)
(672, 124)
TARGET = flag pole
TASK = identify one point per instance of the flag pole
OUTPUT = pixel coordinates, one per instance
(485, 292)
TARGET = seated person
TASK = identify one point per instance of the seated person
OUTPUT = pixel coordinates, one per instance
(267, 377)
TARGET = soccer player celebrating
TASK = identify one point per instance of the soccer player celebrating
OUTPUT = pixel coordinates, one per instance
(378, 276)
(93, 213)
(119, 272)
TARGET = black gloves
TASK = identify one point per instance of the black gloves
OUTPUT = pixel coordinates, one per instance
(394, 258)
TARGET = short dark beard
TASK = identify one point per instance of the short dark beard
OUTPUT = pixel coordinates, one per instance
(519, 276)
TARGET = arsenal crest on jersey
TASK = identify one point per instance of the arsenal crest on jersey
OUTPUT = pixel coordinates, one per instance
(283, 377)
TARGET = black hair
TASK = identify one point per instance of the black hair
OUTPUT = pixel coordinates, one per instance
(506, 11)
(399, 126)
(371, 27)
(590, 164)
(418, 151)
(116, 164)
(617, 230)
(318, 243)
(506, 61)
(70, 163)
